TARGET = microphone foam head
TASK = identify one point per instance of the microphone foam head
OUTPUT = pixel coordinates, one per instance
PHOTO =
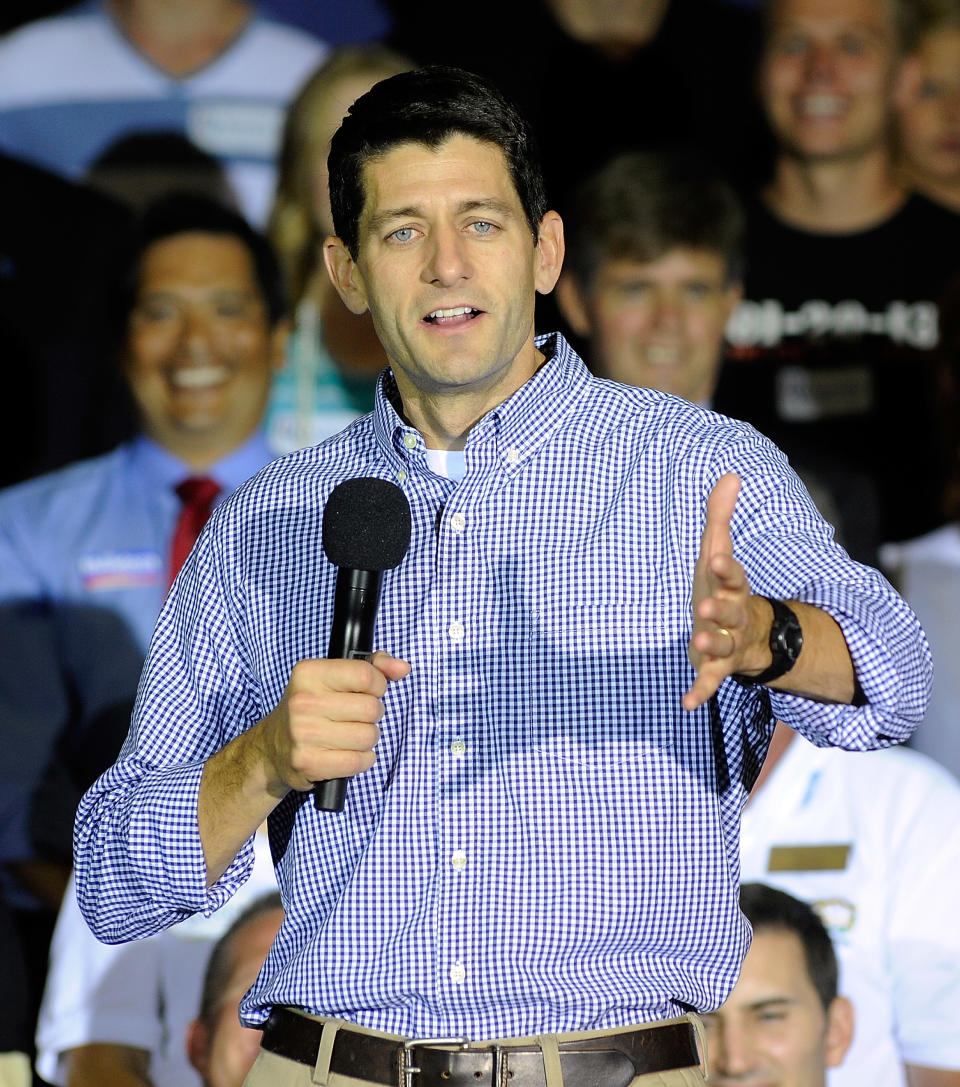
(366, 524)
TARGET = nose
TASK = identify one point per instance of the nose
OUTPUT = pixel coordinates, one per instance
(668, 314)
(196, 336)
(447, 260)
(821, 63)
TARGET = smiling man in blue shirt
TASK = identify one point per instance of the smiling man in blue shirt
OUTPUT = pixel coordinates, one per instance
(537, 860)
(86, 552)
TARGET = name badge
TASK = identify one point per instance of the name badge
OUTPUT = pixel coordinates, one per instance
(809, 858)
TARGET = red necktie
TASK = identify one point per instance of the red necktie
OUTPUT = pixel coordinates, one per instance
(197, 495)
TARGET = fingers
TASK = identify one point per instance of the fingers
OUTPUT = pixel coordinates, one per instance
(328, 724)
(391, 667)
(704, 687)
(720, 506)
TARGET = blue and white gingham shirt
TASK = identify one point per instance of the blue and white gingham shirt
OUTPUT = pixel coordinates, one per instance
(547, 841)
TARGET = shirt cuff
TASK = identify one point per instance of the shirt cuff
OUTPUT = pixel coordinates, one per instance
(895, 686)
(165, 842)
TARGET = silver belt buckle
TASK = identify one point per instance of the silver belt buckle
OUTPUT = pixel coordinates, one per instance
(412, 1043)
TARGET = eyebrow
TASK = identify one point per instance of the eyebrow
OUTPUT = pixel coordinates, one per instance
(771, 1002)
(411, 211)
(868, 29)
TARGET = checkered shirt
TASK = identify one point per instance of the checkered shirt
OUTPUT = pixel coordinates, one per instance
(547, 841)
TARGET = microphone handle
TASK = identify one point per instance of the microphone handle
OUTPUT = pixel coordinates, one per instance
(355, 602)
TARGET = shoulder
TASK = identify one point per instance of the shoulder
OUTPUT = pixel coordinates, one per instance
(921, 211)
(281, 44)
(899, 786)
(63, 39)
(305, 476)
(41, 499)
(941, 547)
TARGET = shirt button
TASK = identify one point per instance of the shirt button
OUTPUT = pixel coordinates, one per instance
(458, 749)
(458, 522)
(410, 441)
(456, 632)
(513, 455)
(458, 859)
(457, 972)
(401, 474)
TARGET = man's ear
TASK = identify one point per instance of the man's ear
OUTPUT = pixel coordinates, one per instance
(278, 343)
(840, 1025)
(573, 304)
(732, 297)
(345, 275)
(550, 250)
(198, 1047)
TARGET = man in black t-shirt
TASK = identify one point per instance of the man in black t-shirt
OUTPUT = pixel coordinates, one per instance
(831, 350)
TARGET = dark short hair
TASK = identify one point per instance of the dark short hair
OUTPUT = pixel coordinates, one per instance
(220, 964)
(190, 213)
(643, 204)
(768, 908)
(427, 106)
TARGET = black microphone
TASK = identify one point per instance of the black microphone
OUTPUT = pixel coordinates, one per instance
(366, 530)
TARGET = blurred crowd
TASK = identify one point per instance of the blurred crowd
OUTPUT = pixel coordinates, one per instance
(762, 212)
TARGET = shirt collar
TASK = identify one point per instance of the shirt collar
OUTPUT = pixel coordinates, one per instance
(158, 464)
(512, 430)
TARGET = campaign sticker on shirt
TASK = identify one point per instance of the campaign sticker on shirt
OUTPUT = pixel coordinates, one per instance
(241, 129)
(105, 570)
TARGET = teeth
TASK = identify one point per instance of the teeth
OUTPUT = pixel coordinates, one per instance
(199, 377)
(663, 356)
(822, 105)
(458, 312)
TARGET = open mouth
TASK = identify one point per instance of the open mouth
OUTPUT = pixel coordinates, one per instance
(822, 106)
(199, 377)
(458, 315)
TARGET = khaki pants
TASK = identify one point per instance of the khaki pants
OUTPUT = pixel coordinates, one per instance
(14, 1070)
(273, 1071)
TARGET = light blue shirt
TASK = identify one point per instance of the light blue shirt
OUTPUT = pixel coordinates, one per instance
(547, 841)
(83, 574)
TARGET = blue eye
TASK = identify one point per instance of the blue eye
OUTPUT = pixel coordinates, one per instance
(482, 227)
(404, 234)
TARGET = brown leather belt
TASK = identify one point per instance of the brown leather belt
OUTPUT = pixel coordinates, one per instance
(612, 1060)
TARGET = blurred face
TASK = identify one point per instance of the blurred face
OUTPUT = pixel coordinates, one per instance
(773, 1030)
(326, 121)
(659, 324)
(223, 1052)
(928, 113)
(200, 349)
(448, 269)
(826, 76)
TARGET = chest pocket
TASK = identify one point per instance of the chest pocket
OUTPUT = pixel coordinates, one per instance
(603, 681)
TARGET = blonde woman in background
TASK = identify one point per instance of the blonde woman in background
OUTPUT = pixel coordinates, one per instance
(928, 105)
(333, 357)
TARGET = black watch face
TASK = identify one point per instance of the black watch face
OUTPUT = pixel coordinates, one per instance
(789, 639)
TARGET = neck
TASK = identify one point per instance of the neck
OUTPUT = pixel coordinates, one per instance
(199, 453)
(180, 36)
(839, 195)
(943, 192)
(783, 737)
(445, 418)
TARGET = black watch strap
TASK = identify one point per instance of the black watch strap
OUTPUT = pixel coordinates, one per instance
(786, 641)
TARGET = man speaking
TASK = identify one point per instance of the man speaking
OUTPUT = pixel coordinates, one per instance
(608, 597)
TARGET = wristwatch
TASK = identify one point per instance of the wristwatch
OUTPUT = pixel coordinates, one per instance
(786, 641)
